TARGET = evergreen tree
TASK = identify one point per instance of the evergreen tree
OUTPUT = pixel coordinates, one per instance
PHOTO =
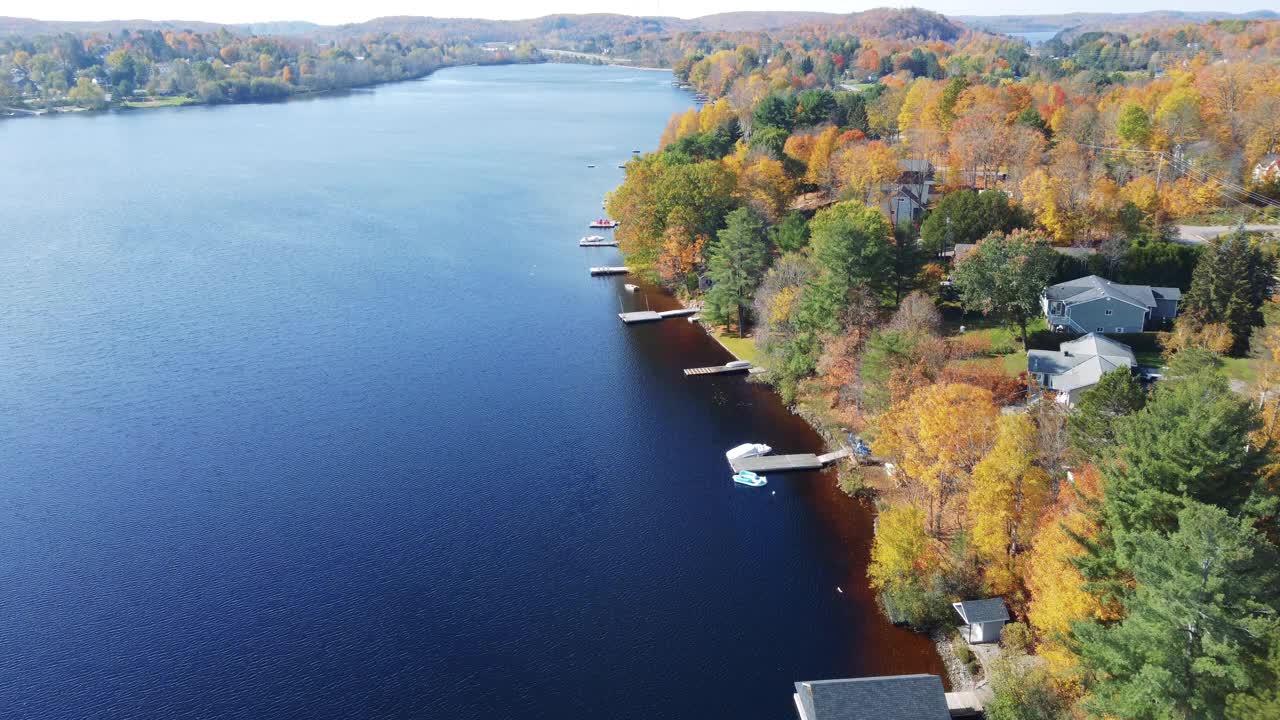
(1262, 701)
(791, 234)
(1229, 286)
(1092, 423)
(965, 216)
(850, 247)
(736, 266)
(1206, 597)
(1189, 444)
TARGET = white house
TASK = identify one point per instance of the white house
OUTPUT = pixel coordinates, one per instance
(983, 619)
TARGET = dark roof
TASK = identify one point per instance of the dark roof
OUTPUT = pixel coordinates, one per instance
(1093, 287)
(983, 611)
(895, 697)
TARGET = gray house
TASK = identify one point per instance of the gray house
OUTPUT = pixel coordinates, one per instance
(984, 620)
(1094, 304)
(1078, 365)
(894, 697)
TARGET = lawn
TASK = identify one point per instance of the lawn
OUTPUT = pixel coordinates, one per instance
(169, 101)
(1245, 369)
(743, 348)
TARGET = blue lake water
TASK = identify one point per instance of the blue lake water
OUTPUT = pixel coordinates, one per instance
(311, 410)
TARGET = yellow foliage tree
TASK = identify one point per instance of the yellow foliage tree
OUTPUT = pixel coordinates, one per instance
(1058, 597)
(902, 550)
(1009, 493)
(766, 187)
(936, 437)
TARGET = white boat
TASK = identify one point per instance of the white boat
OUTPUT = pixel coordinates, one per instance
(630, 288)
(748, 450)
(750, 479)
(593, 238)
(738, 364)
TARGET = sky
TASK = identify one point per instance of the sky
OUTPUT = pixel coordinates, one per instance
(333, 12)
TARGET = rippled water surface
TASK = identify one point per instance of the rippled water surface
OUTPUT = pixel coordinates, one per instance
(312, 410)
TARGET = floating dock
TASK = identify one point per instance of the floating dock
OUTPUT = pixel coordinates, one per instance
(788, 463)
(717, 370)
(617, 270)
(641, 316)
(597, 243)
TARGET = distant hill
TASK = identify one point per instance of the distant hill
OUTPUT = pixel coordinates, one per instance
(883, 21)
(1102, 21)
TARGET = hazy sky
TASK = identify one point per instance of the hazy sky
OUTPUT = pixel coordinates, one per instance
(232, 11)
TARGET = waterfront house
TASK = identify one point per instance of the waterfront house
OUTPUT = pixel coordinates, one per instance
(1078, 365)
(1267, 170)
(894, 697)
(983, 619)
(1094, 304)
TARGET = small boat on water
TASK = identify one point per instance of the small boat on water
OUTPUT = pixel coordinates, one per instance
(750, 479)
(604, 223)
(630, 288)
(748, 450)
(738, 364)
(591, 166)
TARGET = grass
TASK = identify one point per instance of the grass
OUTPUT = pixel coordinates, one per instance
(169, 101)
(743, 348)
(1005, 339)
(1245, 369)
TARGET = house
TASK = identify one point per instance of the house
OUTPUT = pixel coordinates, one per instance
(894, 697)
(983, 619)
(1267, 170)
(1094, 304)
(907, 197)
(1078, 365)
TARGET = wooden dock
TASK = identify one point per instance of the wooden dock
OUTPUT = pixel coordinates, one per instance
(788, 463)
(608, 270)
(643, 316)
(640, 316)
(597, 243)
(717, 370)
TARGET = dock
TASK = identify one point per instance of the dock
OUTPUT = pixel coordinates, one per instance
(788, 463)
(717, 370)
(642, 316)
(607, 270)
(597, 243)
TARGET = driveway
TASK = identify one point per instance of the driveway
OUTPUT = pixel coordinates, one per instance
(1201, 234)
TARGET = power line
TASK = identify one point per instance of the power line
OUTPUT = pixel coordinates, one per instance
(1205, 178)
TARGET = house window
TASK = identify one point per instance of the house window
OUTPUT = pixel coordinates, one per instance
(1108, 311)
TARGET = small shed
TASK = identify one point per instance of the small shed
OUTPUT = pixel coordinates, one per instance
(983, 619)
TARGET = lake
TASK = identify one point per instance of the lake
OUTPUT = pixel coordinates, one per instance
(311, 409)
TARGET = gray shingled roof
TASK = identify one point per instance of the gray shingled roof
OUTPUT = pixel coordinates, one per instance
(983, 611)
(1081, 362)
(895, 697)
(1094, 287)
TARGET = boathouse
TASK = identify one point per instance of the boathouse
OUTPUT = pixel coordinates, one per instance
(983, 619)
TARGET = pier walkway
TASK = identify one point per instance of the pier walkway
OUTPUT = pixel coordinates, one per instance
(610, 270)
(642, 316)
(717, 370)
(788, 463)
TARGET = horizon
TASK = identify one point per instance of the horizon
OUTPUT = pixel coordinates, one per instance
(77, 11)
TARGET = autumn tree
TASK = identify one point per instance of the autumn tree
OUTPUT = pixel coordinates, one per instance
(1230, 284)
(965, 216)
(1005, 276)
(936, 438)
(1009, 493)
(905, 563)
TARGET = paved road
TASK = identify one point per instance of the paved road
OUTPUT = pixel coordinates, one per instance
(1201, 234)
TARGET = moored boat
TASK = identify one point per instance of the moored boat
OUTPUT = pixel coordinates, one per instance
(604, 223)
(750, 479)
(748, 450)
(630, 288)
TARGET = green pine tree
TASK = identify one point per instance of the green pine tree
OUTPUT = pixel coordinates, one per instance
(736, 266)
(1092, 425)
(1195, 626)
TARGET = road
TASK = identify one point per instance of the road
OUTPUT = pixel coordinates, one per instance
(1201, 234)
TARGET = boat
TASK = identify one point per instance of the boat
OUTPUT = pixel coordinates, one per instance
(630, 288)
(750, 479)
(604, 223)
(592, 238)
(591, 166)
(738, 364)
(748, 450)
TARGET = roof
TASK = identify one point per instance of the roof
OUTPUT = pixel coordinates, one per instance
(983, 611)
(1080, 363)
(894, 697)
(1093, 287)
